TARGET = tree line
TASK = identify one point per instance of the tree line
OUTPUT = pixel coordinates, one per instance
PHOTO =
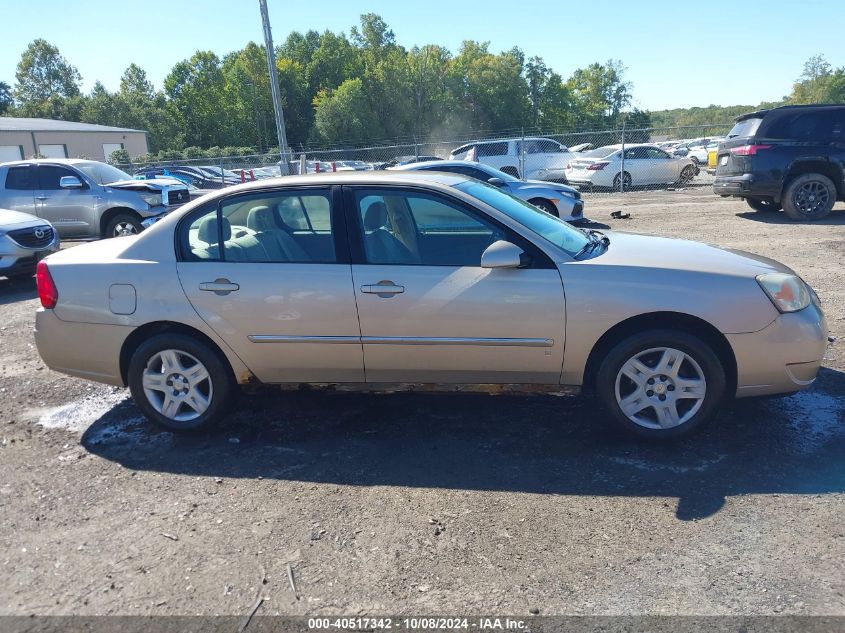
(340, 90)
(336, 90)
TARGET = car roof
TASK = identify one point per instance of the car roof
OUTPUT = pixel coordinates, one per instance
(437, 163)
(52, 161)
(759, 114)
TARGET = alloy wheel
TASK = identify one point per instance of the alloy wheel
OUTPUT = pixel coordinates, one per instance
(811, 197)
(660, 388)
(124, 228)
(177, 385)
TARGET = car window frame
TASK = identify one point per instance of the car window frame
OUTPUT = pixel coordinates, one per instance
(337, 217)
(538, 259)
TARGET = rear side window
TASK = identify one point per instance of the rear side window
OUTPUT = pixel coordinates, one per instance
(822, 125)
(745, 128)
(492, 149)
(20, 178)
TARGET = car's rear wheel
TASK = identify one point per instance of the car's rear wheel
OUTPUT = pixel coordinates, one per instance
(545, 205)
(809, 197)
(763, 204)
(661, 384)
(623, 182)
(123, 224)
(179, 383)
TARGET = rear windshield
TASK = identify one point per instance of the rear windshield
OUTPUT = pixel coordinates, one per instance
(600, 152)
(746, 127)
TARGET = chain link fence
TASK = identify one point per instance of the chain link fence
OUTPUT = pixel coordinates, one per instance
(597, 162)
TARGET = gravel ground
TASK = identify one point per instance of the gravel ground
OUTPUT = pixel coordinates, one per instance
(443, 504)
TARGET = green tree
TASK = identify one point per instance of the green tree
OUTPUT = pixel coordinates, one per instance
(819, 83)
(344, 115)
(600, 91)
(6, 100)
(196, 89)
(42, 73)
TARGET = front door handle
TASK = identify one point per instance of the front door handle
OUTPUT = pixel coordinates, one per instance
(40, 197)
(221, 286)
(384, 288)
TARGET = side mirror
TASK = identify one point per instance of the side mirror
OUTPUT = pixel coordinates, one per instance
(502, 254)
(70, 182)
(496, 181)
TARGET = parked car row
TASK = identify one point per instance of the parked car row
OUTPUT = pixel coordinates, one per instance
(638, 165)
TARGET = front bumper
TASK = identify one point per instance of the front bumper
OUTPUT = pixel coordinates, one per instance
(18, 260)
(784, 357)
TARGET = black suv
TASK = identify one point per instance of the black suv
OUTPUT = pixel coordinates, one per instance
(790, 158)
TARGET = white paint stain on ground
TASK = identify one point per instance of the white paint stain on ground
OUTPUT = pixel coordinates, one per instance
(699, 466)
(79, 416)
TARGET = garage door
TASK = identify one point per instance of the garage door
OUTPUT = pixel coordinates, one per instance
(53, 151)
(10, 152)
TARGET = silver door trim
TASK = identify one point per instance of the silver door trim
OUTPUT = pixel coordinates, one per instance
(273, 338)
(427, 340)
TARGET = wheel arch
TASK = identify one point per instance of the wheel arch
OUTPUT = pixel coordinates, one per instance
(816, 166)
(148, 330)
(537, 199)
(110, 214)
(663, 320)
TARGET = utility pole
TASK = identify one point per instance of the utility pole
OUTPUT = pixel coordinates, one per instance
(284, 152)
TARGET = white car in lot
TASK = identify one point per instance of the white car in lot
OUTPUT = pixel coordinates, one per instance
(544, 158)
(24, 240)
(644, 164)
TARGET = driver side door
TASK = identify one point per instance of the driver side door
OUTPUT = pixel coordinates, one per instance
(428, 311)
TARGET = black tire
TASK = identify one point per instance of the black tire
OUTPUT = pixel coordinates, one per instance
(687, 174)
(696, 411)
(546, 206)
(809, 197)
(510, 171)
(624, 181)
(763, 204)
(220, 388)
(123, 224)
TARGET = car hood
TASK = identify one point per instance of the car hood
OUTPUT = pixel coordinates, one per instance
(12, 218)
(153, 184)
(647, 251)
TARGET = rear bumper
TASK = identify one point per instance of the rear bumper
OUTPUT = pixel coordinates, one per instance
(746, 186)
(783, 357)
(85, 350)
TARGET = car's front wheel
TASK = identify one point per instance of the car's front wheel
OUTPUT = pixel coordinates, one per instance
(123, 224)
(179, 383)
(545, 205)
(661, 384)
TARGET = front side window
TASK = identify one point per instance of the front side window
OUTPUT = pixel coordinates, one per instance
(49, 176)
(277, 227)
(414, 228)
(21, 178)
(492, 149)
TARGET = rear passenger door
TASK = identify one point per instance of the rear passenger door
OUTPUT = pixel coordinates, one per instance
(279, 291)
(19, 189)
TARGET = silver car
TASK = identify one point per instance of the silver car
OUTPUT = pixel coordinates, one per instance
(24, 240)
(368, 279)
(555, 198)
(86, 198)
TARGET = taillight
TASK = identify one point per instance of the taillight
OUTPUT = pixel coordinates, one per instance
(748, 150)
(597, 166)
(47, 291)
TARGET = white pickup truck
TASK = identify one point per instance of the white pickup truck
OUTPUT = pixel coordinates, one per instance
(544, 159)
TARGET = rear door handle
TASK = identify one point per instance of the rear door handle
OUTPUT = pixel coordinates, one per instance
(383, 288)
(220, 286)
(40, 197)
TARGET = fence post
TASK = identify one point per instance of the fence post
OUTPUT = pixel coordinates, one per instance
(416, 150)
(222, 176)
(522, 156)
(302, 164)
(622, 161)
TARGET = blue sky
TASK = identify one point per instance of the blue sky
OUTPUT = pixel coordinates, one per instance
(678, 53)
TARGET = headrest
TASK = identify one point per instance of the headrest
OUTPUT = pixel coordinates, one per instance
(208, 230)
(261, 219)
(375, 216)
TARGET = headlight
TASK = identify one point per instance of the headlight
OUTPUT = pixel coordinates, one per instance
(152, 199)
(787, 292)
(568, 194)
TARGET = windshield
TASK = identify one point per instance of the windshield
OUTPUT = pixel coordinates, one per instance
(101, 173)
(547, 226)
(601, 152)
